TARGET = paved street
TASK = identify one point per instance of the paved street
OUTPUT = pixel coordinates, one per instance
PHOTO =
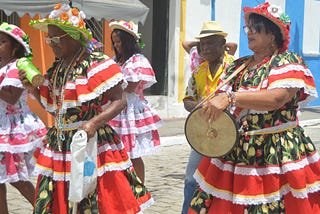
(165, 170)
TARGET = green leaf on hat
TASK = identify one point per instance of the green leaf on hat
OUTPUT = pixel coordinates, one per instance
(284, 18)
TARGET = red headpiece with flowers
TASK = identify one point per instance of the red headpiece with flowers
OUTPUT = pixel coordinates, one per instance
(273, 13)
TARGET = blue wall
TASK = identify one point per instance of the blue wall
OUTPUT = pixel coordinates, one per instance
(296, 13)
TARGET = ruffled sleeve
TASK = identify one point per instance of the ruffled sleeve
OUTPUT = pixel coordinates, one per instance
(288, 70)
(9, 76)
(92, 78)
(138, 68)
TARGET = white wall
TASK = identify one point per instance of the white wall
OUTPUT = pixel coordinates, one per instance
(197, 12)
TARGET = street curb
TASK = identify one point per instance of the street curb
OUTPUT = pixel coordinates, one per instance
(312, 122)
(173, 140)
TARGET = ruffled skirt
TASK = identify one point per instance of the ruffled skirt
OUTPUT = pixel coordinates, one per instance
(119, 190)
(138, 127)
(267, 173)
(20, 134)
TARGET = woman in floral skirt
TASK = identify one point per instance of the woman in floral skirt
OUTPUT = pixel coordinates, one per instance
(82, 91)
(275, 167)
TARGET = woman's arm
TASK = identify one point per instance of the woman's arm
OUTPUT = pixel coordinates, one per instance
(10, 94)
(264, 100)
(231, 47)
(118, 103)
(131, 87)
(187, 45)
(189, 103)
(33, 90)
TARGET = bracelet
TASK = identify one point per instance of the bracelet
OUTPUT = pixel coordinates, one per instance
(231, 99)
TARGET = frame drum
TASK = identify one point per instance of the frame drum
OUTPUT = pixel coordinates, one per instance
(211, 139)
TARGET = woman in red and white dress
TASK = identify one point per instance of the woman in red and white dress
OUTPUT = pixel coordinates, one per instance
(21, 130)
(138, 123)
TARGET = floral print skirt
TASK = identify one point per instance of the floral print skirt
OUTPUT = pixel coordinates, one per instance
(264, 173)
(118, 191)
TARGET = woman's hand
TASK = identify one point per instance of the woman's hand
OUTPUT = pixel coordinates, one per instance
(33, 90)
(118, 102)
(213, 108)
(89, 127)
(25, 81)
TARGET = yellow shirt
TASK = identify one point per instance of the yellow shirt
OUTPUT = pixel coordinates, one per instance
(202, 83)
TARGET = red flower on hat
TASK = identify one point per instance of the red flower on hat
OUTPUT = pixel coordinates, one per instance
(127, 25)
(17, 32)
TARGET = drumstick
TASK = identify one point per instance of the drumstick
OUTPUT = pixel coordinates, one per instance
(225, 81)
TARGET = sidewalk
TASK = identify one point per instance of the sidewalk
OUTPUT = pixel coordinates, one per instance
(165, 170)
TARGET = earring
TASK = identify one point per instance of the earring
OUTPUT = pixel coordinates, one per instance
(272, 47)
(13, 53)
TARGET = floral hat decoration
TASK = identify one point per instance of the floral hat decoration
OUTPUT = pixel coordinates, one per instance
(19, 35)
(69, 19)
(129, 27)
(273, 13)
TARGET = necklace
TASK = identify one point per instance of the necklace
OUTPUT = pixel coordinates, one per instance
(58, 94)
(267, 60)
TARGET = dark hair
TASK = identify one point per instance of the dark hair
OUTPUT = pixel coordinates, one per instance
(128, 44)
(20, 52)
(261, 22)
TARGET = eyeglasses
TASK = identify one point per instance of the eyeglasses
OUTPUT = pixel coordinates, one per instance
(252, 29)
(55, 39)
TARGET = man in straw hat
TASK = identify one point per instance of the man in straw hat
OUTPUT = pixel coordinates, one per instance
(83, 91)
(204, 80)
(193, 49)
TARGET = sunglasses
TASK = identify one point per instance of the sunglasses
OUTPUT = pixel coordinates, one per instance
(252, 29)
(55, 39)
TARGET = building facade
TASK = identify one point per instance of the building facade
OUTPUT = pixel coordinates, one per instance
(184, 20)
(169, 22)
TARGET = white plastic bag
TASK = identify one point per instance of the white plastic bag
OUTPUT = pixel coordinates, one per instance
(83, 176)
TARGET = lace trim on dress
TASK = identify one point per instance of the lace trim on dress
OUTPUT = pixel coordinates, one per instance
(265, 170)
(10, 75)
(297, 83)
(291, 67)
(102, 66)
(140, 130)
(56, 156)
(257, 199)
(138, 68)
(83, 97)
(65, 176)
(21, 148)
(145, 205)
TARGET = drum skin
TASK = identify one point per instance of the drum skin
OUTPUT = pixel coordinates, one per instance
(211, 139)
